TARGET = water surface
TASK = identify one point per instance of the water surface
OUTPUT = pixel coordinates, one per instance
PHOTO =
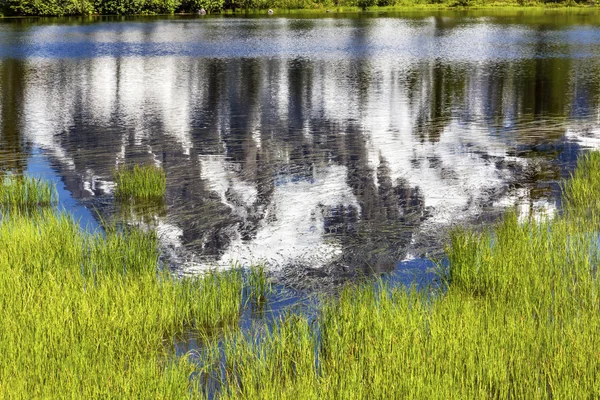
(322, 147)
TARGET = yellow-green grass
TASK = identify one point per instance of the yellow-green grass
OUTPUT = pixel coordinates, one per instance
(87, 316)
(140, 182)
(258, 284)
(581, 192)
(91, 316)
(23, 193)
(519, 318)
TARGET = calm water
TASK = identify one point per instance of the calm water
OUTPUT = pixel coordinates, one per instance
(320, 146)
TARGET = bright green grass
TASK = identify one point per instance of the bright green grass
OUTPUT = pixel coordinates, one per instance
(140, 182)
(519, 319)
(86, 316)
(258, 284)
(91, 316)
(24, 193)
(581, 192)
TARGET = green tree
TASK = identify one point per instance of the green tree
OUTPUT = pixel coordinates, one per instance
(208, 5)
(365, 4)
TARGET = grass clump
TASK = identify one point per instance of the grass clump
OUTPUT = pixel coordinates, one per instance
(23, 193)
(140, 182)
(258, 284)
(519, 319)
(86, 316)
(581, 193)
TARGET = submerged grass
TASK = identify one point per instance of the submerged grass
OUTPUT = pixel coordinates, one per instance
(140, 182)
(519, 319)
(23, 193)
(581, 193)
(258, 284)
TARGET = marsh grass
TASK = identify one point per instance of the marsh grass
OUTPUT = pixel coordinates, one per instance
(140, 182)
(85, 316)
(518, 319)
(23, 193)
(581, 192)
(258, 284)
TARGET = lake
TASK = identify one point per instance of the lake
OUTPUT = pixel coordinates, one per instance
(324, 146)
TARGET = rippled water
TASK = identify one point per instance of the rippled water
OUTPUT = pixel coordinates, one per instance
(322, 147)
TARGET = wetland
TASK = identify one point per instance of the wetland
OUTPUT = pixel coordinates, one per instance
(302, 206)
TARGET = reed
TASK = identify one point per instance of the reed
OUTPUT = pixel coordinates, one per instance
(140, 182)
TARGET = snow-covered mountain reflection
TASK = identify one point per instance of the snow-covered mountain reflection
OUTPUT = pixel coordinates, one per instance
(315, 160)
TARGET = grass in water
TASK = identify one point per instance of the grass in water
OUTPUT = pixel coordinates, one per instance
(258, 284)
(140, 182)
(85, 316)
(23, 193)
(519, 319)
(581, 193)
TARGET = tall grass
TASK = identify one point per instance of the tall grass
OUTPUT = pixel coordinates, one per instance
(24, 193)
(519, 319)
(140, 182)
(86, 316)
(581, 192)
(258, 284)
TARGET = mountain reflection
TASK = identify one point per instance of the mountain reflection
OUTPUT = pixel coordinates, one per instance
(345, 163)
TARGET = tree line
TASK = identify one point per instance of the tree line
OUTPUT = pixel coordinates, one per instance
(152, 7)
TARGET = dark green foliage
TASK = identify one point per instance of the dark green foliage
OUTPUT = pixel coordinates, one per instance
(86, 7)
(129, 7)
(365, 4)
(385, 3)
(50, 7)
(4, 8)
(210, 6)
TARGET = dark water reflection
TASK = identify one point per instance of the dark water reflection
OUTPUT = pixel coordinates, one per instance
(323, 147)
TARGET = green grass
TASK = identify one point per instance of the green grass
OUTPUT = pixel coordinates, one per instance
(92, 316)
(518, 319)
(581, 192)
(140, 182)
(23, 193)
(258, 284)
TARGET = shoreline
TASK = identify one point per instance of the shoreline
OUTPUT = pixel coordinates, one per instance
(503, 9)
